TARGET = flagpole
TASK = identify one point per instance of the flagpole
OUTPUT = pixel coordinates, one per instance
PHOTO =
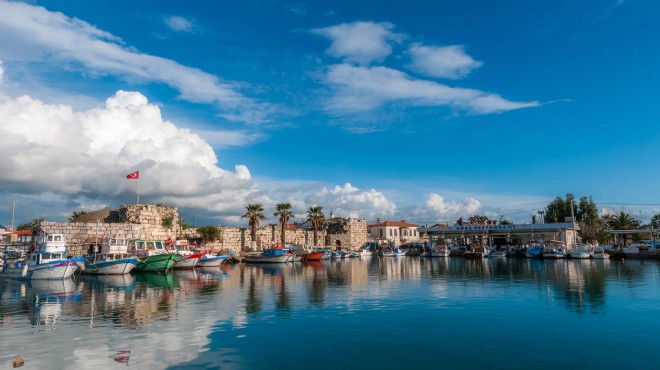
(138, 190)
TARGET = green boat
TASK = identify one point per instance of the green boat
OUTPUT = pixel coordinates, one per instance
(152, 256)
(159, 262)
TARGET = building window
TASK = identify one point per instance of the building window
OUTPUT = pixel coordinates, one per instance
(380, 232)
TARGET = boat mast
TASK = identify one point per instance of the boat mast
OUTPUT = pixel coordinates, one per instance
(13, 207)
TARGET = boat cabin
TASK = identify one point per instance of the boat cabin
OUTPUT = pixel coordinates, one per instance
(114, 245)
(51, 243)
(143, 248)
(46, 257)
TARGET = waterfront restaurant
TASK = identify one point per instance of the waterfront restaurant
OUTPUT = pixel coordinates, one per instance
(502, 235)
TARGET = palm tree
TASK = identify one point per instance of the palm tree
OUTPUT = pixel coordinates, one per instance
(316, 217)
(255, 212)
(622, 221)
(283, 210)
(655, 221)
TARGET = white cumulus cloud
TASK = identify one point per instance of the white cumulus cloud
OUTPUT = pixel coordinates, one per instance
(359, 89)
(360, 42)
(438, 209)
(33, 34)
(349, 201)
(443, 62)
(52, 148)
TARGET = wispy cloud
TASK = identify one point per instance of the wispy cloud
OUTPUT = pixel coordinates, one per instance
(180, 24)
(298, 8)
(442, 62)
(360, 42)
(34, 34)
(360, 89)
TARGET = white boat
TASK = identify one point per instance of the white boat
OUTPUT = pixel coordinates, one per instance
(579, 252)
(211, 260)
(189, 257)
(114, 258)
(364, 253)
(642, 247)
(270, 256)
(497, 254)
(598, 252)
(48, 261)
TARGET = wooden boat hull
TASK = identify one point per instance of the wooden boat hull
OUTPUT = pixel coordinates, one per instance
(312, 256)
(268, 259)
(160, 262)
(111, 267)
(213, 261)
(188, 262)
(48, 271)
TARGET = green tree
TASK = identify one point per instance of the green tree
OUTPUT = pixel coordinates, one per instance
(283, 210)
(622, 221)
(559, 209)
(316, 216)
(76, 214)
(655, 221)
(254, 213)
(587, 211)
(209, 233)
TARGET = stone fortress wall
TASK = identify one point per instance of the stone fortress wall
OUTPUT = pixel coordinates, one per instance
(147, 221)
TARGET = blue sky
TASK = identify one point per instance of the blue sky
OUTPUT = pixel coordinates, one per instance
(416, 110)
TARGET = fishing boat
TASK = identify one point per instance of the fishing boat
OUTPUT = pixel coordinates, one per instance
(189, 258)
(579, 252)
(313, 255)
(212, 260)
(47, 261)
(440, 250)
(535, 251)
(153, 256)
(113, 259)
(270, 256)
(307, 253)
(598, 252)
(498, 253)
(553, 253)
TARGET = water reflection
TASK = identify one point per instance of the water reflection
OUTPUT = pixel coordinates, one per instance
(112, 315)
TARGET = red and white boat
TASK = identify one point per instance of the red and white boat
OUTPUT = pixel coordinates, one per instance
(189, 258)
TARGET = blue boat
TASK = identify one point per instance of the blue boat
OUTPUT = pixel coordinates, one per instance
(113, 259)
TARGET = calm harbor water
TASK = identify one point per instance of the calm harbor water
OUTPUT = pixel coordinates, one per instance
(372, 313)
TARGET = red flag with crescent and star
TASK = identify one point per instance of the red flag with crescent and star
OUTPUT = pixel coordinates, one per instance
(134, 175)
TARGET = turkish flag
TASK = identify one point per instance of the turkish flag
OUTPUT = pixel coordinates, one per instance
(134, 175)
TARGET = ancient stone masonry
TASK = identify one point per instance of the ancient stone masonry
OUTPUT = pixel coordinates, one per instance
(347, 232)
(146, 221)
(137, 221)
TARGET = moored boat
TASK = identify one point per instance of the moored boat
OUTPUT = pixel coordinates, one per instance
(47, 261)
(579, 252)
(598, 252)
(153, 256)
(113, 259)
(211, 260)
(189, 258)
(270, 256)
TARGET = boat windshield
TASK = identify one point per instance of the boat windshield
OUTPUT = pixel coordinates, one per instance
(159, 245)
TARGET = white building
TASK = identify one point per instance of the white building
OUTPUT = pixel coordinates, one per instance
(395, 232)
